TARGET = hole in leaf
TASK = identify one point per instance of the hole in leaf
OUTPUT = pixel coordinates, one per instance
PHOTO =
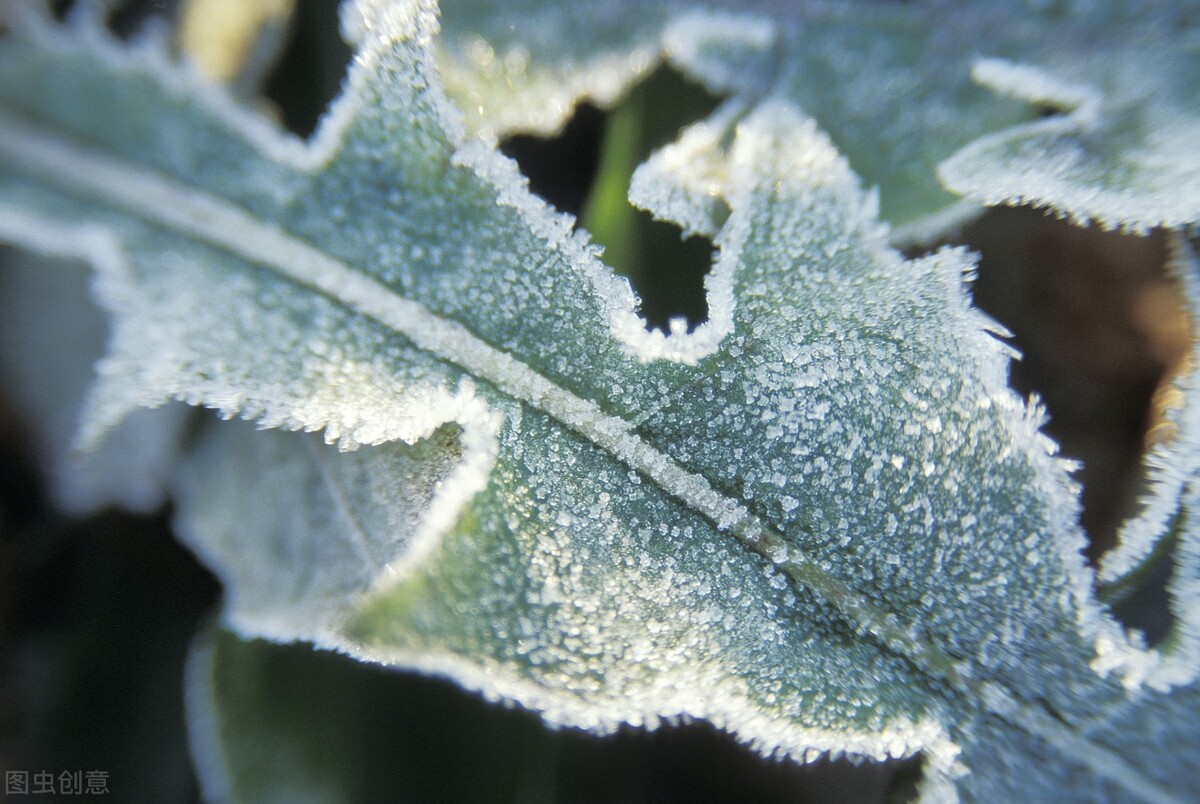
(586, 169)
(1102, 327)
(311, 67)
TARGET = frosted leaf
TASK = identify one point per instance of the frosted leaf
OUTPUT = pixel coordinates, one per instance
(1119, 157)
(900, 88)
(1156, 717)
(501, 76)
(366, 513)
(685, 182)
(821, 521)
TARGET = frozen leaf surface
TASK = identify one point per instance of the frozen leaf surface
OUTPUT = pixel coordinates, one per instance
(909, 92)
(821, 520)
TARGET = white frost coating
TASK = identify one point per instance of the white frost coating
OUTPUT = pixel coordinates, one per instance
(152, 54)
(545, 102)
(154, 199)
(1048, 163)
(479, 444)
(356, 19)
(1177, 662)
(614, 295)
(438, 335)
(756, 160)
(684, 182)
(424, 412)
(1181, 660)
(696, 41)
(814, 162)
(208, 219)
(1116, 651)
(760, 163)
(377, 24)
(359, 511)
(667, 186)
(1032, 84)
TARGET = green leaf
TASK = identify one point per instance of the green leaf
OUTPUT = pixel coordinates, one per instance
(821, 520)
(909, 92)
